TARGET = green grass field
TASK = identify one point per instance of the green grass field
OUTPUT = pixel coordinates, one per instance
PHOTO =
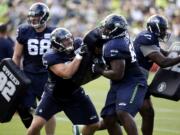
(167, 119)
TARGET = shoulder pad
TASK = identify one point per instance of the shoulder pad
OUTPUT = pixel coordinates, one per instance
(49, 58)
(51, 27)
(22, 31)
(23, 28)
(147, 38)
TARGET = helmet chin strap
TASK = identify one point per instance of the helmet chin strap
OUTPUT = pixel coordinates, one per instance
(69, 49)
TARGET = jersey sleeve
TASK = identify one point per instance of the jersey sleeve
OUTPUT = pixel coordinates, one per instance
(113, 51)
(148, 39)
(50, 58)
(146, 50)
(20, 32)
(148, 43)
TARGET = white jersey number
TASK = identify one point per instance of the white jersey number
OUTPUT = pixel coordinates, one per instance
(7, 88)
(36, 47)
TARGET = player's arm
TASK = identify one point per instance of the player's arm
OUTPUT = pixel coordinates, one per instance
(117, 70)
(115, 73)
(162, 60)
(156, 56)
(165, 53)
(67, 70)
(18, 52)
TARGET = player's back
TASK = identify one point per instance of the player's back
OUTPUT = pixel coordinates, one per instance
(35, 44)
(147, 39)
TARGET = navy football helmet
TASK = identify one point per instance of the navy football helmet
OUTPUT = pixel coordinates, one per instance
(158, 25)
(38, 15)
(114, 26)
(62, 40)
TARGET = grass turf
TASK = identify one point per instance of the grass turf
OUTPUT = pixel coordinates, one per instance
(167, 114)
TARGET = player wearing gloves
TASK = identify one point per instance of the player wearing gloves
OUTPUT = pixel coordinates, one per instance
(61, 93)
(148, 50)
(128, 85)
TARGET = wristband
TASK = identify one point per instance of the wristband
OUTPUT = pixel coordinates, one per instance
(78, 56)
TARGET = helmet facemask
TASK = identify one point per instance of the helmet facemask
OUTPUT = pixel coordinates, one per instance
(38, 15)
(113, 26)
(159, 26)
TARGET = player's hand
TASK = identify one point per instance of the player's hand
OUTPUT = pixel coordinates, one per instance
(82, 50)
(99, 61)
(96, 68)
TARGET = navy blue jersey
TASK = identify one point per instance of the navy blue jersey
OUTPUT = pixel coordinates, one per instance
(62, 87)
(35, 45)
(145, 38)
(6, 48)
(121, 48)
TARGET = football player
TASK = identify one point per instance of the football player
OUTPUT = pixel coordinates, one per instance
(6, 43)
(32, 42)
(148, 51)
(128, 84)
(61, 93)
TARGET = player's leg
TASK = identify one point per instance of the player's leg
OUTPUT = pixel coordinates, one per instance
(90, 129)
(50, 126)
(128, 122)
(108, 114)
(130, 99)
(77, 129)
(46, 109)
(81, 111)
(147, 114)
(36, 126)
(27, 102)
(40, 81)
(112, 125)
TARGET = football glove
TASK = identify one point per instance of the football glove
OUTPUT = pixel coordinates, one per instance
(82, 50)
